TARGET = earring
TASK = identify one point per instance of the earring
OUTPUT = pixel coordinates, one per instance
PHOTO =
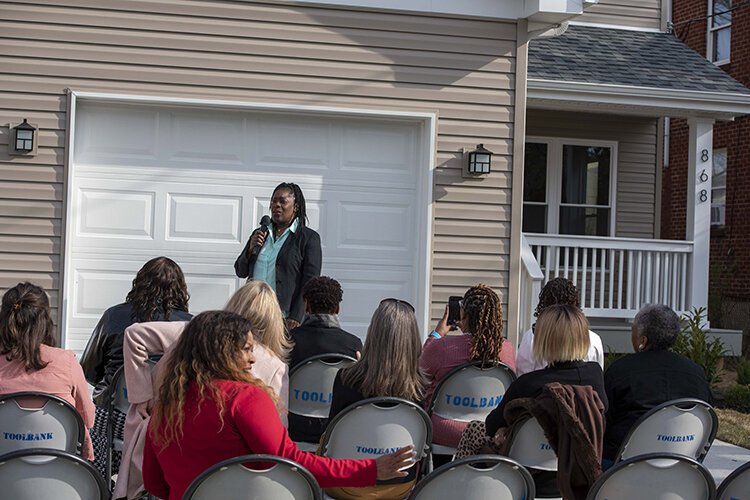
(640, 347)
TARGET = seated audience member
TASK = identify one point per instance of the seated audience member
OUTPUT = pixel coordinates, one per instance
(651, 376)
(254, 301)
(389, 368)
(211, 408)
(159, 293)
(556, 291)
(257, 302)
(319, 333)
(482, 339)
(567, 397)
(29, 360)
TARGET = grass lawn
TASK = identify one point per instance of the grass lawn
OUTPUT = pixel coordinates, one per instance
(734, 427)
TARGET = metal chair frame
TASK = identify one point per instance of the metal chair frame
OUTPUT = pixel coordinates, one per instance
(653, 456)
(49, 452)
(51, 398)
(727, 482)
(468, 461)
(294, 466)
(677, 403)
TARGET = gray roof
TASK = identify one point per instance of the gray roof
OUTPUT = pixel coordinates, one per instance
(589, 54)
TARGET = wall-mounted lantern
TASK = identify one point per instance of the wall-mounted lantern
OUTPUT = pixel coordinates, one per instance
(479, 161)
(23, 140)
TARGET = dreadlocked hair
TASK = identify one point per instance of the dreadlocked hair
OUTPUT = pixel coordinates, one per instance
(484, 317)
(557, 291)
(159, 287)
(209, 349)
(299, 200)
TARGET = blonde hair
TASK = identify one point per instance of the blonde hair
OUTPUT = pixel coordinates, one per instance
(257, 302)
(561, 333)
(390, 357)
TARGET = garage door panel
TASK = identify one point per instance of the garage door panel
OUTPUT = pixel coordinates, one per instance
(101, 139)
(108, 213)
(204, 218)
(310, 151)
(363, 292)
(383, 230)
(380, 151)
(99, 289)
(208, 292)
(197, 138)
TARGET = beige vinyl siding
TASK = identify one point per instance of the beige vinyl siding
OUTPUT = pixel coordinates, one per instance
(636, 160)
(461, 69)
(630, 13)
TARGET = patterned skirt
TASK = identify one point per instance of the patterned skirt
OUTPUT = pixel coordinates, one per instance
(99, 438)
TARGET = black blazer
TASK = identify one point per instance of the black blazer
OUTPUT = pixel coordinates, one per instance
(299, 259)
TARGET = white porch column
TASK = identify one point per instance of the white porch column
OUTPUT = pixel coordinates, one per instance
(700, 168)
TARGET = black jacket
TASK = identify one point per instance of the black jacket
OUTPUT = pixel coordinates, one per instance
(644, 380)
(318, 334)
(299, 259)
(103, 354)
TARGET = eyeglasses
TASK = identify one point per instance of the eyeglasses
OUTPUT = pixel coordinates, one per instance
(399, 301)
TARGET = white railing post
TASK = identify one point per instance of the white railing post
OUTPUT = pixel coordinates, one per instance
(531, 284)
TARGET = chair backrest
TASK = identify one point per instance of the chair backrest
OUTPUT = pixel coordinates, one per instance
(529, 446)
(469, 392)
(477, 478)
(119, 394)
(273, 477)
(737, 484)
(45, 474)
(311, 384)
(657, 476)
(683, 426)
(377, 426)
(39, 420)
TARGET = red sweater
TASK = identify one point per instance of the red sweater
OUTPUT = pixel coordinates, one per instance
(251, 426)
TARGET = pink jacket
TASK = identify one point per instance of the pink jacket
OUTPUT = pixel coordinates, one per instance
(62, 377)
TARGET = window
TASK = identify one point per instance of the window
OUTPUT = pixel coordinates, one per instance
(719, 187)
(568, 187)
(719, 30)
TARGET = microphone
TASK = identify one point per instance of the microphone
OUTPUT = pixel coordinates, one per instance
(264, 223)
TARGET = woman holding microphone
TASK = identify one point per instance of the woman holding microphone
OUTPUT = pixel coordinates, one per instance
(285, 253)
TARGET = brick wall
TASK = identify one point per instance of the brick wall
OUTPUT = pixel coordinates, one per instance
(730, 244)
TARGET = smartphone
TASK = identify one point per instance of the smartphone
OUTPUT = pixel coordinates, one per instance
(454, 309)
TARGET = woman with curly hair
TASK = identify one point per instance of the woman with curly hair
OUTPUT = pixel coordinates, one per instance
(210, 408)
(29, 360)
(556, 291)
(482, 339)
(159, 293)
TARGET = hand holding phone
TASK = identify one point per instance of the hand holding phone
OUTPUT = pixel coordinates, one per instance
(454, 309)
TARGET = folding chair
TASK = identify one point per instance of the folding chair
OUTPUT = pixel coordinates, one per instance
(530, 448)
(737, 484)
(46, 474)
(275, 478)
(118, 400)
(39, 420)
(377, 426)
(683, 426)
(655, 476)
(311, 386)
(469, 392)
(477, 478)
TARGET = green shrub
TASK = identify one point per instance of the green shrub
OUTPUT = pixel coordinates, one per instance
(743, 371)
(693, 343)
(611, 356)
(737, 398)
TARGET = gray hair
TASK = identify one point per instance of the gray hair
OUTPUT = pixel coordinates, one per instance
(659, 324)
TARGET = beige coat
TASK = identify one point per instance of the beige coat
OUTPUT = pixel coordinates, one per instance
(142, 339)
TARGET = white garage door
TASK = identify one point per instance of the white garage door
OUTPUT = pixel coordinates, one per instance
(191, 183)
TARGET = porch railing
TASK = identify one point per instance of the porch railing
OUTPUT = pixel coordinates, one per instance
(616, 276)
(531, 284)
